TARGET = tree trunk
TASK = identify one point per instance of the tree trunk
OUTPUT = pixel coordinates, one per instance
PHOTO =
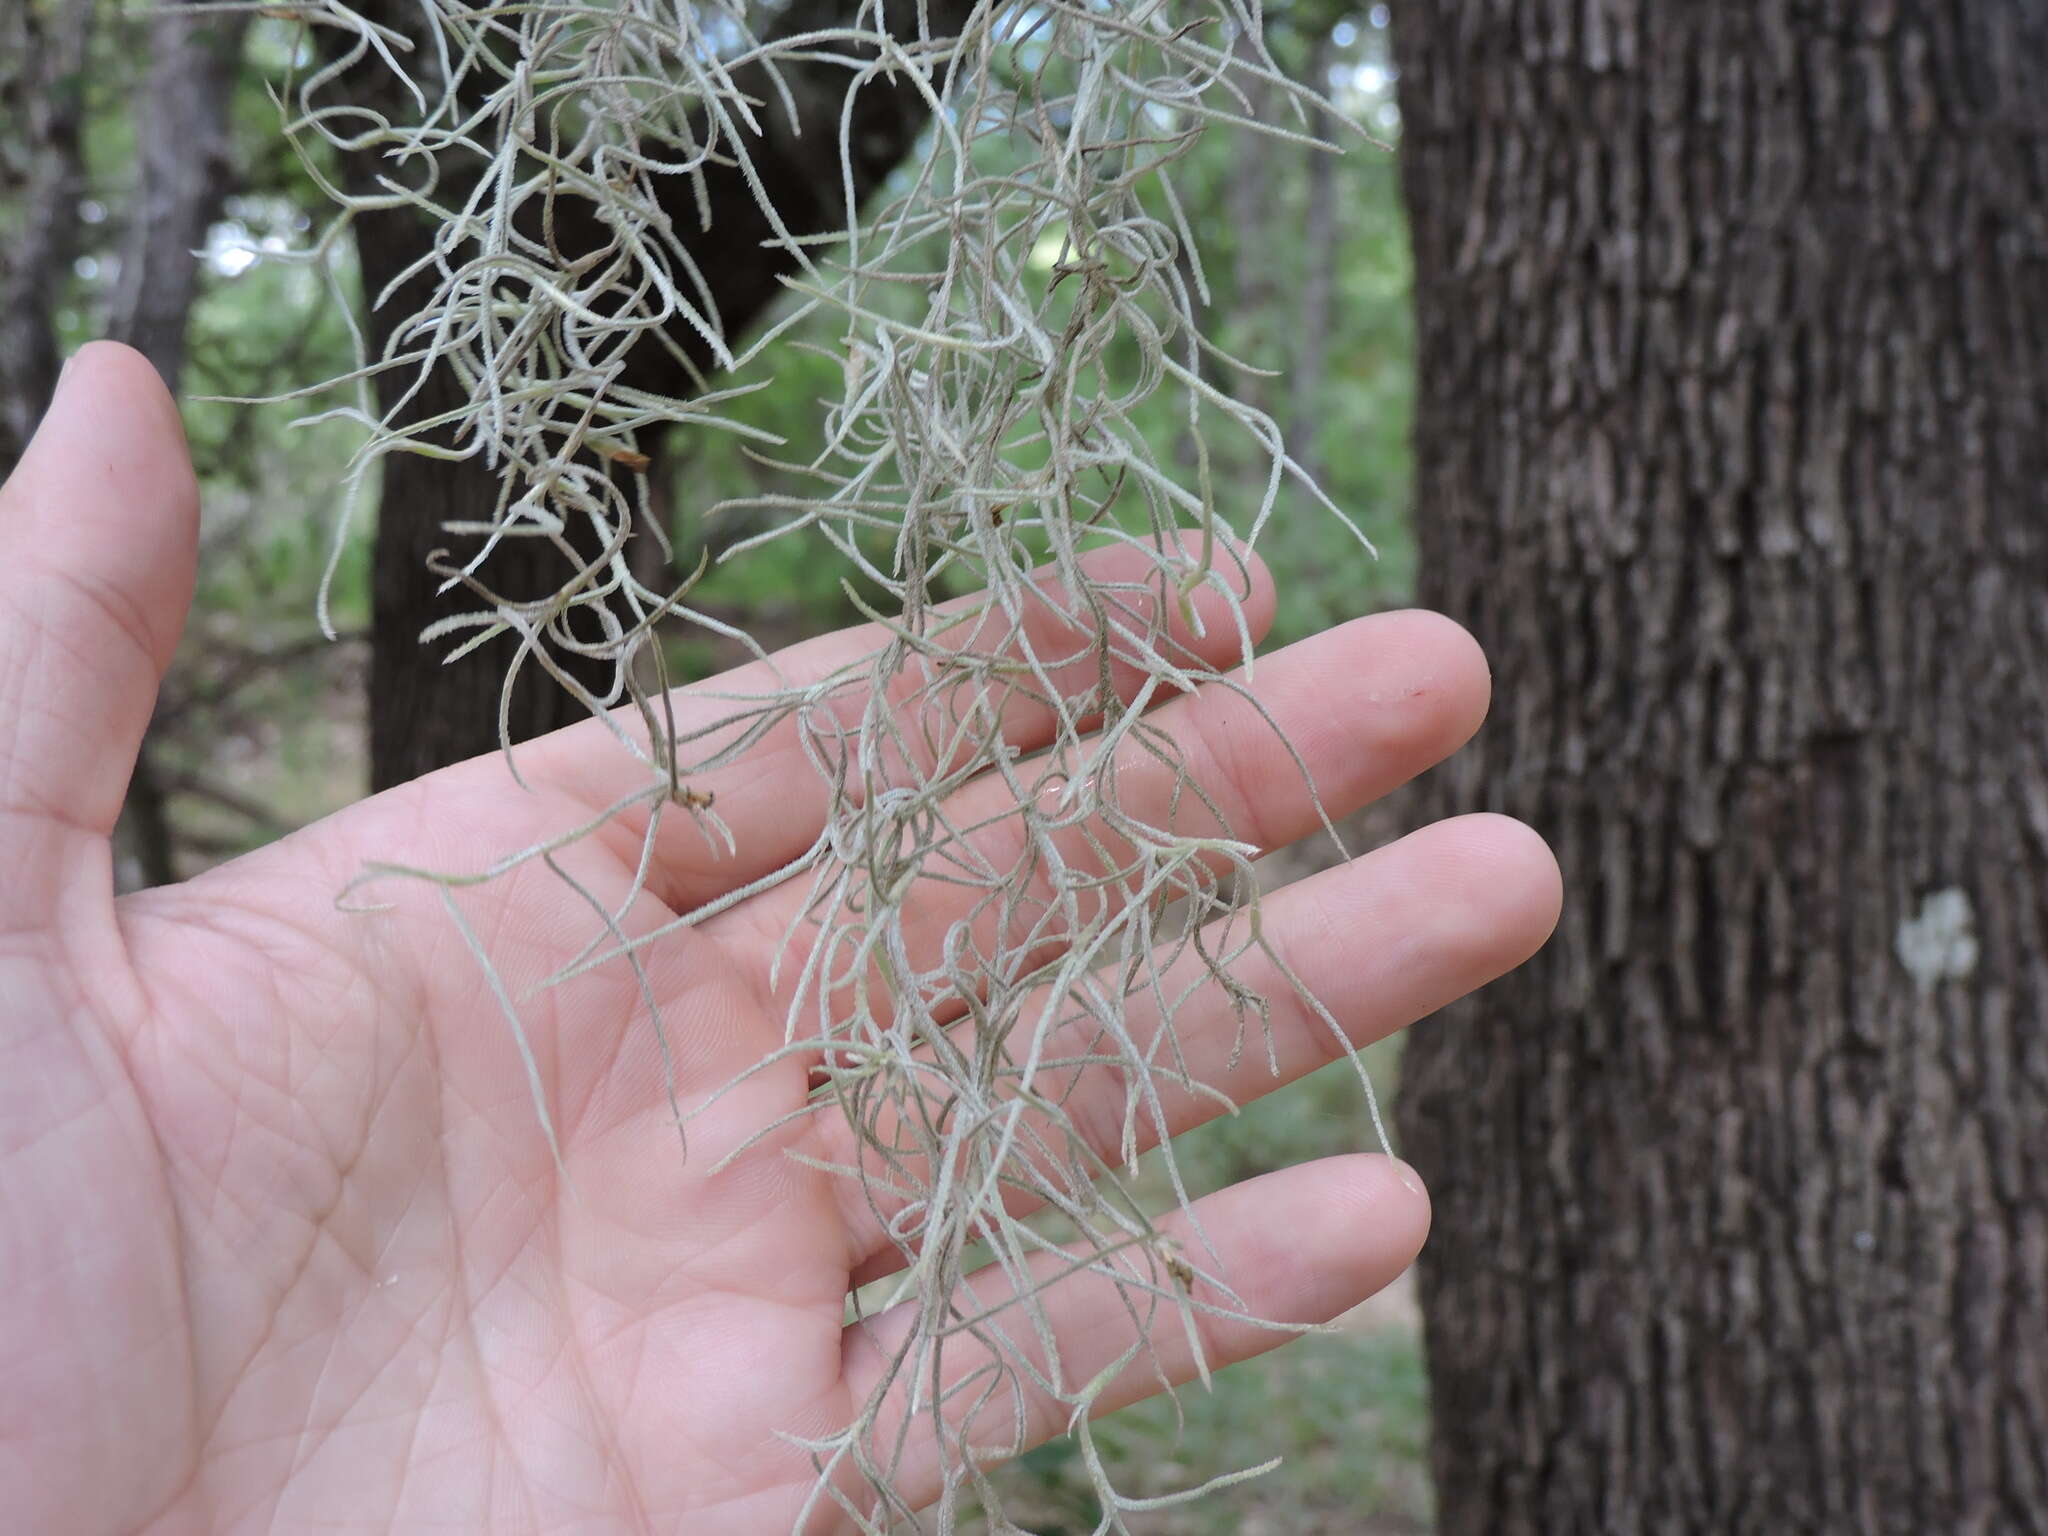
(185, 160)
(185, 167)
(424, 716)
(1732, 433)
(42, 173)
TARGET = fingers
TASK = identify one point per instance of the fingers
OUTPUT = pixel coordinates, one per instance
(1300, 1246)
(98, 538)
(1379, 943)
(1342, 719)
(774, 798)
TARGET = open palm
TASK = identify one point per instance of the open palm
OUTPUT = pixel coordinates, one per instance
(282, 1243)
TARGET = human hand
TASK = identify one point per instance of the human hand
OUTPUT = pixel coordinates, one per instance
(281, 1243)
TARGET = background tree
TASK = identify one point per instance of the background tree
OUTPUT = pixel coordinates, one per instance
(1731, 431)
(43, 52)
(424, 717)
(185, 169)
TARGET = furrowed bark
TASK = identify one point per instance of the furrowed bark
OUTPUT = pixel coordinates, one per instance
(1732, 433)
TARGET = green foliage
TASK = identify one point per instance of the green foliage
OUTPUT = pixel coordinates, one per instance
(1347, 1411)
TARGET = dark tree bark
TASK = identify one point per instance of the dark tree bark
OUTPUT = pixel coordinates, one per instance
(185, 168)
(42, 172)
(1732, 436)
(423, 715)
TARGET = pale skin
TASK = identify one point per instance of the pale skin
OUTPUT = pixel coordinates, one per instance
(282, 1245)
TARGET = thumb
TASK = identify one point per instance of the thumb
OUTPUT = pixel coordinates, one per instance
(98, 539)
